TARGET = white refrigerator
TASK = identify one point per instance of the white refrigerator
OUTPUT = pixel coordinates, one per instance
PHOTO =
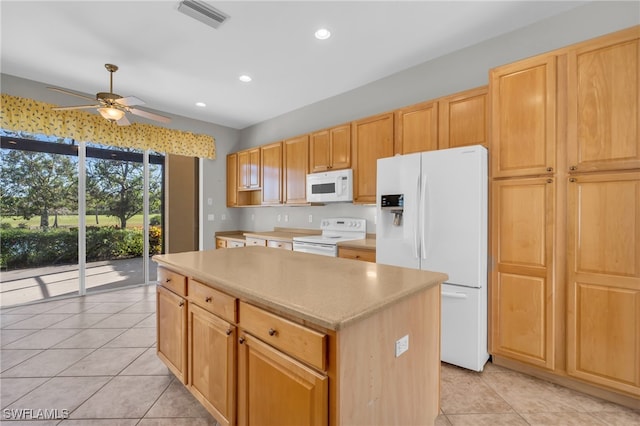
(432, 214)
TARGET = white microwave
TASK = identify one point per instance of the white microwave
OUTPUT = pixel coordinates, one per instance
(330, 187)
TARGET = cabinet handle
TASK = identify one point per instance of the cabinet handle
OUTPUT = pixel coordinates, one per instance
(272, 332)
(242, 340)
(572, 168)
(181, 304)
(229, 331)
(549, 180)
(167, 280)
(549, 169)
(573, 180)
(207, 299)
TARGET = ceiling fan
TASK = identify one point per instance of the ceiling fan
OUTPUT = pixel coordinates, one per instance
(112, 106)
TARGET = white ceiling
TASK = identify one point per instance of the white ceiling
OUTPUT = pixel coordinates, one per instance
(172, 61)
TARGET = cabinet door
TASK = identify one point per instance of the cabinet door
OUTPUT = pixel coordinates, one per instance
(603, 249)
(523, 111)
(320, 151)
(232, 180)
(212, 354)
(296, 168)
(522, 290)
(254, 168)
(371, 138)
(340, 147)
(171, 314)
(417, 128)
(297, 394)
(464, 119)
(603, 99)
(243, 170)
(271, 170)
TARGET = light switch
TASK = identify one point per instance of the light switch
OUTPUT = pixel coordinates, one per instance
(211, 217)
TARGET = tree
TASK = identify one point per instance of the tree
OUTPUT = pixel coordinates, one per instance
(119, 186)
(37, 184)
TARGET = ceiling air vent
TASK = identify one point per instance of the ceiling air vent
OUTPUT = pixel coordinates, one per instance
(202, 12)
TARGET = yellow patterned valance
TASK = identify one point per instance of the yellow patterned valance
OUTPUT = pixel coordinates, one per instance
(28, 115)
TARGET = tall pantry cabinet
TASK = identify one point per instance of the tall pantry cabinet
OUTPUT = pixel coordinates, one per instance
(565, 289)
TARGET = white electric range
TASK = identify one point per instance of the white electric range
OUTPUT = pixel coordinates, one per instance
(334, 230)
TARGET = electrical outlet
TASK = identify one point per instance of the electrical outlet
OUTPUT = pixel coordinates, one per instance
(310, 218)
(286, 218)
(210, 201)
(279, 218)
(402, 345)
(253, 217)
(224, 216)
(211, 217)
(375, 220)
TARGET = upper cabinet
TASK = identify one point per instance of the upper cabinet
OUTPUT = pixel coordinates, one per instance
(232, 180)
(296, 168)
(523, 111)
(271, 173)
(371, 138)
(463, 119)
(249, 169)
(416, 128)
(603, 125)
(330, 149)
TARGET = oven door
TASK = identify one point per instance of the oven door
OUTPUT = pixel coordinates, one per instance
(315, 248)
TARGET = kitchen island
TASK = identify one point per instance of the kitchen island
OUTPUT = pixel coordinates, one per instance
(263, 336)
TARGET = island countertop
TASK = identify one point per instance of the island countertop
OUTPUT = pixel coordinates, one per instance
(327, 291)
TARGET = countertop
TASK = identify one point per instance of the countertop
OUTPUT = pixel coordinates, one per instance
(279, 235)
(327, 291)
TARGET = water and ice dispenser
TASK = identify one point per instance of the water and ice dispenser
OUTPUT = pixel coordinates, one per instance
(393, 204)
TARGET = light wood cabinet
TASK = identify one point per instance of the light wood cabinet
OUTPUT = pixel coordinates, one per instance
(296, 168)
(298, 394)
(330, 149)
(249, 169)
(463, 119)
(523, 287)
(212, 361)
(232, 180)
(523, 112)
(416, 128)
(603, 317)
(252, 241)
(371, 138)
(271, 173)
(285, 245)
(603, 130)
(221, 243)
(357, 254)
(171, 317)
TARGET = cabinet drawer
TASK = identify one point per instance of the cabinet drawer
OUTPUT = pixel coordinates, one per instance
(212, 300)
(349, 253)
(255, 242)
(301, 342)
(173, 281)
(220, 243)
(280, 244)
(234, 244)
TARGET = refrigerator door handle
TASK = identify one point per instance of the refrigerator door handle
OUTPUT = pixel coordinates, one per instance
(416, 247)
(454, 295)
(423, 217)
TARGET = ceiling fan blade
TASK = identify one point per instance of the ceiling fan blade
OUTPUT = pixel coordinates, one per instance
(68, 92)
(75, 107)
(149, 115)
(123, 121)
(129, 101)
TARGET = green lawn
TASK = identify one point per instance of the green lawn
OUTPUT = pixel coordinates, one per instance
(72, 220)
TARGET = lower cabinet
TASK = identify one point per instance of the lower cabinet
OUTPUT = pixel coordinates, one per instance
(357, 254)
(171, 312)
(297, 394)
(212, 360)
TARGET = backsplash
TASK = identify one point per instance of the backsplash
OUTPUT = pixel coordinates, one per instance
(267, 218)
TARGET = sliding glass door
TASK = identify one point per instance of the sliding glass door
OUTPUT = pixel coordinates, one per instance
(77, 218)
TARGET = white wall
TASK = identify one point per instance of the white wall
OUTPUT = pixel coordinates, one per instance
(461, 70)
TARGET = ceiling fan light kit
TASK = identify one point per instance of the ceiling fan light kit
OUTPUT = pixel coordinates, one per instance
(112, 106)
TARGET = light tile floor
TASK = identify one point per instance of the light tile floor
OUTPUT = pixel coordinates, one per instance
(95, 357)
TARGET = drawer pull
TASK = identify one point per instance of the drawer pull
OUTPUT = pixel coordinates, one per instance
(207, 299)
(168, 280)
(572, 168)
(229, 331)
(549, 169)
(241, 340)
(272, 332)
(181, 304)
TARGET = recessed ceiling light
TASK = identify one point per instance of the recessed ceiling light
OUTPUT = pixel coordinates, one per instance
(323, 34)
(201, 104)
(244, 78)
